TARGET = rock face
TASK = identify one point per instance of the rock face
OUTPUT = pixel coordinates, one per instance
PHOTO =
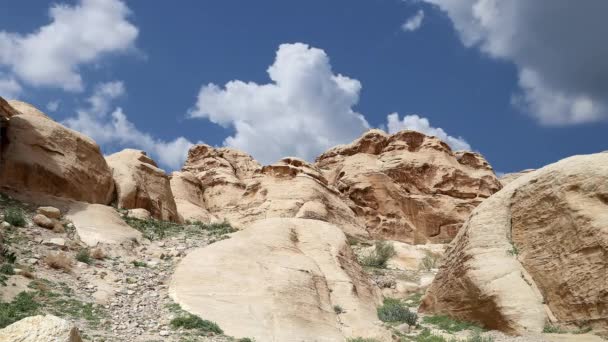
(408, 186)
(189, 198)
(537, 250)
(40, 155)
(141, 184)
(509, 177)
(233, 186)
(41, 329)
(288, 276)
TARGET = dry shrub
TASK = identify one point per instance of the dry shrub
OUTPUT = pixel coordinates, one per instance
(98, 254)
(27, 274)
(59, 261)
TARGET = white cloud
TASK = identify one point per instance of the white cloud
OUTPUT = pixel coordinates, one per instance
(9, 87)
(422, 125)
(558, 46)
(109, 126)
(305, 110)
(414, 22)
(53, 106)
(77, 35)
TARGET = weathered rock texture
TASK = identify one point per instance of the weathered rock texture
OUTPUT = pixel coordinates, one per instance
(509, 177)
(408, 186)
(189, 198)
(41, 329)
(542, 239)
(43, 156)
(237, 188)
(141, 184)
(288, 276)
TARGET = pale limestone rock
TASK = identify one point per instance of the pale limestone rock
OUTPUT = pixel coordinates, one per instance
(43, 221)
(141, 184)
(41, 329)
(289, 275)
(97, 224)
(408, 186)
(57, 242)
(45, 157)
(189, 197)
(50, 212)
(543, 239)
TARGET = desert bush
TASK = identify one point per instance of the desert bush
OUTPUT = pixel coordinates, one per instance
(59, 261)
(338, 309)
(84, 255)
(98, 254)
(429, 261)
(190, 322)
(449, 324)
(138, 263)
(393, 310)
(379, 256)
(22, 306)
(7, 269)
(15, 216)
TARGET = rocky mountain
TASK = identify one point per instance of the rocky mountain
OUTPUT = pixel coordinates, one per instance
(388, 238)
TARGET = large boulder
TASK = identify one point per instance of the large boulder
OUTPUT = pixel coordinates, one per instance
(40, 155)
(283, 286)
(141, 184)
(237, 188)
(408, 186)
(537, 251)
(41, 329)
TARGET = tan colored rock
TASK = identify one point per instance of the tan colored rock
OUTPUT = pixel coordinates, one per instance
(139, 213)
(189, 198)
(141, 184)
(509, 177)
(283, 286)
(43, 221)
(41, 329)
(236, 188)
(536, 249)
(99, 224)
(50, 212)
(408, 186)
(43, 156)
(411, 257)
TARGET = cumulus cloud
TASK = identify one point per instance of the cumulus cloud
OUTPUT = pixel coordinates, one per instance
(9, 87)
(304, 110)
(414, 22)
(558, 47)
(53, 106)
(77, 35)
(422, 125)
(109, 126)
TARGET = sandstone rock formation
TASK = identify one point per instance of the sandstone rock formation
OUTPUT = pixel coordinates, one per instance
(288, 276)
(41, 329)
(236, 188)
(533, 252)
(43, 156)
(408, 186)
(141, 184)
(509, 177)
(189, 198)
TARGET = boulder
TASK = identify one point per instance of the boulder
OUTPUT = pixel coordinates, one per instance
(141, 184)
(535, 251)
(41, 329)
(139, 213)
(40, 155)
(50, 212)
(284, 285)
(233, 186)
(43, 221)
(408, 186)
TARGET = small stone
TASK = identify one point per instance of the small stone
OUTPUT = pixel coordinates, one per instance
(163, 333)
(130, 292)
(6, 225)
(50, 212)
(43, 221)
(58, 242)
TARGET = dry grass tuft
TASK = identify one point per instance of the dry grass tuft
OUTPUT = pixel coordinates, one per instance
(59, 261)
(98, 254)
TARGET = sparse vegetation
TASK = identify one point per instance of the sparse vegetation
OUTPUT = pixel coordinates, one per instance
(189, 322)
(98, 254)
(15, 216)
(379, 256)
(429, 261)
(293, 236)
(449, 324)
(513, 251)
(414, 299)
(22, 306)
(59, 261)
(245, 339)
(393, 310)
(155, 229)
(7, 269)
(84, 255)
(338, 309)
(7, 255)
(361, 339)
(138, 263)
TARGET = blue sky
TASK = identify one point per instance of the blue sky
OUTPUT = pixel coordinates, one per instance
(136, 73)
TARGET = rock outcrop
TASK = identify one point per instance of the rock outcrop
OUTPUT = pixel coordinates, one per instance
(408, 186)
(41, 329)
(509, 177)
(40, 155)
(536, 251)
(189, 198)
(283, 286)
(236, 188)
(141, 184)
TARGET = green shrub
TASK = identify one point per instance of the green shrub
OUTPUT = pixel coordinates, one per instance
(138, 263)
(245, 339)
(14, 216)
(190, 322)
(219, 228)
(7, 269)
(22, 306)
(338, 309)
(553, 329)
(9, 256)
(427, 336)
(449, 324)
(476, 337)
(84, 255)
(379, 256)
(393, 310)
